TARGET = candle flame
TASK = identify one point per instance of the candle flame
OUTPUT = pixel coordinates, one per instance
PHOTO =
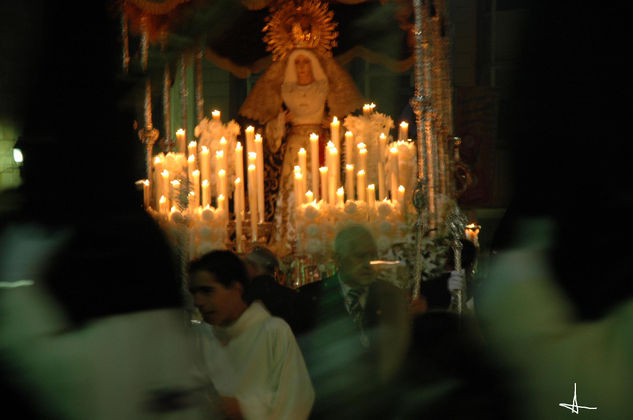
(340, 191)
(162, 200)
(401, 188)
(204, 150)
(222, 172)
(205, 182)
(165, 173)
(335, 120)
(323, 169)
(192, 144)
(371, 187)
(251, 167)
(175, 183)
(314, 136)
(237, 180)
(348, 134)
(361, 172)
(250, 128)
(222, 140)
(157, 159)
(404, 124)
(196, 172)
(180, 132)
(238, 147)
(394, 150)
(252, 155)
(215, 112)
(382, 136)
(302, 151)
(258, 138)
(361, 145)
(191, 158)
(349, 167)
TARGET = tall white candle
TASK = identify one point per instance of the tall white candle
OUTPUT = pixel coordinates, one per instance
(180, 140)
(349, 148)
(340, 197)
(335, 132)
(165, 185)
(224, 206)
(252, 199)
(367, 109)
(394, 172)
(349, 181)
(238, 214)
(156, 180)
(324, 183)
(401, 201)
(223, 146)
(298, 189)
(371, 197)
(403, 131)
(219, 161)
(192, 149)
(362, 157)
(259, 149)
(175, 191)
(250, 138)
(206, 193)
(314, 164)
(309, 197)
(146, 193)
(222, 182)
(191, 202)
(191, 166)
(163, 205)
(239, 162)
(381, 180)
(205, 163)
(196, 185)
(360, 188)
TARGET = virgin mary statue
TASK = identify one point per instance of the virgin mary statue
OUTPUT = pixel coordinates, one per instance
(298, 95)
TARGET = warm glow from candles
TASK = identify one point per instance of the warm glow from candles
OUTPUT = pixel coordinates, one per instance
(309, 196)
(324, 183)
(360, 189)
(215, 114)
(340, 197)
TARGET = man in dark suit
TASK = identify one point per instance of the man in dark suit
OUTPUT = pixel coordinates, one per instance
(354, 330)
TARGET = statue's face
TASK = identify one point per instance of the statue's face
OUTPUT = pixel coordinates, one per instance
(303, 66)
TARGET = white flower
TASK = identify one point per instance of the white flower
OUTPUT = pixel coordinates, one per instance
(310, 212)
(312, 230)
(384, 209)
(208, 215)
(351, 207)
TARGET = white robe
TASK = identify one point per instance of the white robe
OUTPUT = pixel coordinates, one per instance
(257, 360)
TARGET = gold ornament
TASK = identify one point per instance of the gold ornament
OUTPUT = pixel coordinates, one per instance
(306, 24)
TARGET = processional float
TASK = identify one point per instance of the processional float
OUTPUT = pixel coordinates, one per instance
(191, 182)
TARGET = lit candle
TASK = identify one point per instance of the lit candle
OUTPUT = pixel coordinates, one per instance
(362, 157)
(215, 114)
(238, 214)
(205, 163)
(219, 161)
(192, 149)
(165, 184)
(298, 187)
(349, 148)
(224, 206)
(250, 138)
(222, 182)
(175, 191)
(157, 181)
(367, 109)
(239, 161)
(191, 201)
(196, 185)
(334, 166)
(349, 181)
(371, 197)
(146, 193)
(340, 197)
(252, 199)
(180, 140)
(309, 196)
(335, 132)
(331, 188)
(163, 205)
(206, 193)
(394, 172)
(259, 149)
(314, 163)
(191, 166)
(302, 155)
(403, 132)
(360, 189)
(403, 206)
(324, 183)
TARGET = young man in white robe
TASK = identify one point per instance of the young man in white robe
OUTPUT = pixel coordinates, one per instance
(251, 357)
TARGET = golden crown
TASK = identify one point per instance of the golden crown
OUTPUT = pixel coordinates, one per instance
(305, 24)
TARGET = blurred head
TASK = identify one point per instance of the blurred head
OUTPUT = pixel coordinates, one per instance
(262, 261)
(304, 70)
(217, 283)
(354, 248)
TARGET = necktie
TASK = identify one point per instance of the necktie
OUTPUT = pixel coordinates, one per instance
(355, 308)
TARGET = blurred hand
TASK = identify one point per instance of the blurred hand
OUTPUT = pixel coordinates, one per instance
(418, 306)
(456, 281)
(231, 408)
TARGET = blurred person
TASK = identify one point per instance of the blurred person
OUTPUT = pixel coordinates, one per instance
(355, 331)
(91, 317)
(263, 268)
(251, 357)
(557, 306)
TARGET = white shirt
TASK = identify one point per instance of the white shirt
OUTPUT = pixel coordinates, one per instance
(257, 360)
